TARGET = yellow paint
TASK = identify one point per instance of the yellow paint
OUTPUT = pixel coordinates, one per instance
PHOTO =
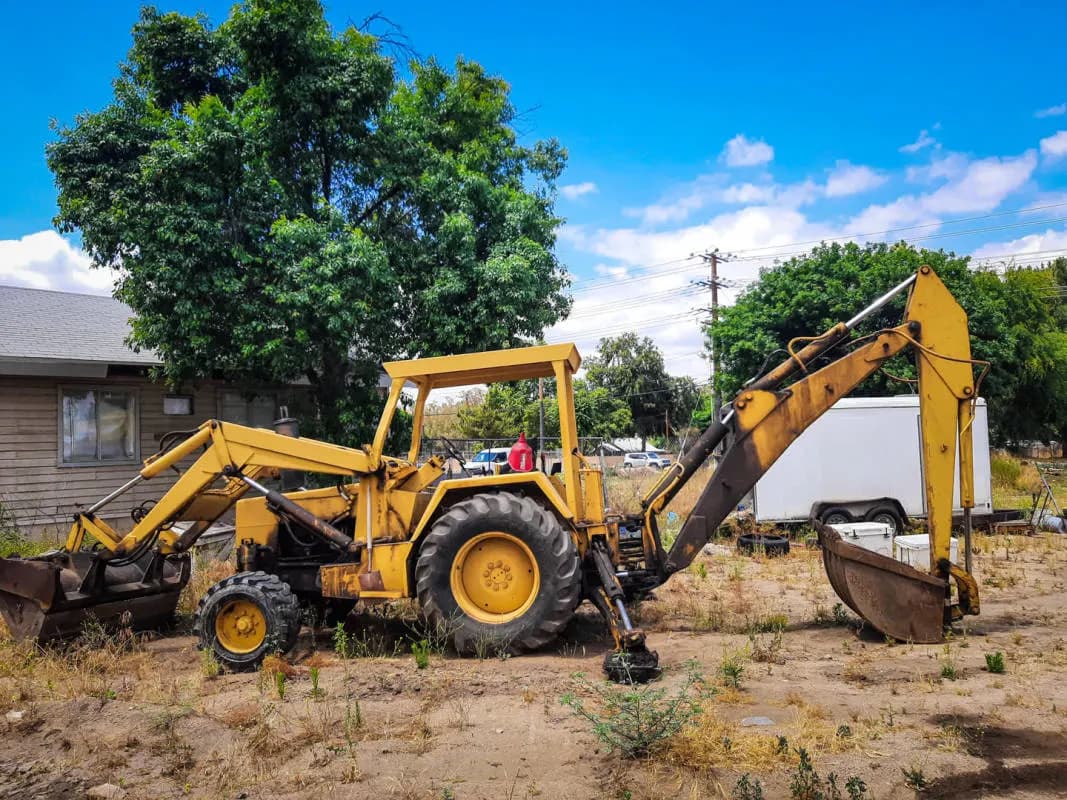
(240, 626)
(541, 485)
(495, 578)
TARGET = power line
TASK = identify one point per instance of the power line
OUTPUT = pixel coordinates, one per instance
(646, 270)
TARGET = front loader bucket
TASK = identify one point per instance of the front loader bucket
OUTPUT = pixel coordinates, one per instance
(52, 596)
(898, 600)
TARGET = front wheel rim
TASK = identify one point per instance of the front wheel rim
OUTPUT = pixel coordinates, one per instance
(495, 578)
(240, 626)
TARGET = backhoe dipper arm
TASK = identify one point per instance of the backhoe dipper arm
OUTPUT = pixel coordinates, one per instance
(765, 420)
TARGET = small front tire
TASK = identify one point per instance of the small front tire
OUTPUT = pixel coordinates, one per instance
(244, 618)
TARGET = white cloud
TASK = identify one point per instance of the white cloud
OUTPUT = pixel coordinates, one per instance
(924, 140)
(949, 165)
(572, 191)
(983, 185)
(1052, 111)
(744, 152)
(45, 260)
(1042, 243)
(657, 301)
(746, 193)
(846, 179)
(1055, 146)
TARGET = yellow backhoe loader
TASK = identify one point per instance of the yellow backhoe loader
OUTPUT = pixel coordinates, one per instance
(505, 558)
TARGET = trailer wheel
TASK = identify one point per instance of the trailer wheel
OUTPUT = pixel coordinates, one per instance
(245, 617)
(886, 515)
(498, 570)
(835, 515)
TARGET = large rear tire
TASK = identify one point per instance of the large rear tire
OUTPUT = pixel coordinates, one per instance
(498, 569)
(244, 618)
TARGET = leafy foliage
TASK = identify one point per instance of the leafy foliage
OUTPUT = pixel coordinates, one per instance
(279, 205)
(994, 662)
(513, 407)
(806, 784)
(1015, 319)
(634, 718)
(632, 369)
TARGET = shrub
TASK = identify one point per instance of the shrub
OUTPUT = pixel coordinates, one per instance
(748, 788)
(633, 719)
(1004, 470)
(421, 651)
(994, 662)
(731, 668)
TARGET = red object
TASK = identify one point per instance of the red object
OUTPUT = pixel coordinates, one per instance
(520, 459)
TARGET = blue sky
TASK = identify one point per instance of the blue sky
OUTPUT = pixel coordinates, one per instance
(743, 127)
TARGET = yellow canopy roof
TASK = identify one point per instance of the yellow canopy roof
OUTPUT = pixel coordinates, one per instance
(493, 366)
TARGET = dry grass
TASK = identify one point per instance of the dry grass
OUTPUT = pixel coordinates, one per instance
(205, 575)
(714, 741)
(626, 489)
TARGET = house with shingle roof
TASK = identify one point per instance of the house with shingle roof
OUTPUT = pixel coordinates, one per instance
(79, 409)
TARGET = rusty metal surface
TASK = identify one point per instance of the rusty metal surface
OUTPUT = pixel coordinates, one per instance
(896, 599)
(42, 599)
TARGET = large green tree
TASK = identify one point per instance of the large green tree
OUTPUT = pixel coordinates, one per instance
(280, 205)
(632, 369)
(1012, 322)
(513, 407)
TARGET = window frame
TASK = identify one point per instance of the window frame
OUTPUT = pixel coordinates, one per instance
(220, 401)
(133, 391)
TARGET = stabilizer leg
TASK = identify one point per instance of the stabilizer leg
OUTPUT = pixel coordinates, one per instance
(631, 661)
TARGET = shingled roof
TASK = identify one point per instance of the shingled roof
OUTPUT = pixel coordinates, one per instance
(40, 325)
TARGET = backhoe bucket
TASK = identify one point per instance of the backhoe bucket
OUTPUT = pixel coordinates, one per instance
(51, 597)
(898, 600)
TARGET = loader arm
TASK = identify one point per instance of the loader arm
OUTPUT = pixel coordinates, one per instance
(765, 419)
(233, 453)
(139, 575)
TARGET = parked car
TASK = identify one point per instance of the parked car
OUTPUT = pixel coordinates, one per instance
(662, 459)
(649, 460)
(487, 461)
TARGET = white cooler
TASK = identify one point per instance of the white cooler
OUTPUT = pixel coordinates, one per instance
(914, 550)
(874, 536)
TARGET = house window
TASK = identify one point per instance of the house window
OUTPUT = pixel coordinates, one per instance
(98, 426)
(259, 411)
(179, 405)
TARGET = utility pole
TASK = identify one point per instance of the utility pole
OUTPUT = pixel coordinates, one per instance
(712, 259)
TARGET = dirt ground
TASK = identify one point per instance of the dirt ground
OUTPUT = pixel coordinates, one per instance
(151, 717)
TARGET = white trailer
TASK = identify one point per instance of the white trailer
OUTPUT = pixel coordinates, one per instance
(862, 460)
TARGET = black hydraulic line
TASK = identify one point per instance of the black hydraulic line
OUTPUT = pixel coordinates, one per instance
(689, 463)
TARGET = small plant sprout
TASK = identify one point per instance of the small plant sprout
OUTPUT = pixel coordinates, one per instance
(421, 651)
(315, 690)
(914, 779)
(994, 662)
(747, 788)
(279, 684)
(731, 668)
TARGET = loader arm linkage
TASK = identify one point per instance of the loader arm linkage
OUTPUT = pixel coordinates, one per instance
(142, 572)
(765, 419)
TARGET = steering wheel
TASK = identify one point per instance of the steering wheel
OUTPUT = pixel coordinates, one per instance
(453, 452)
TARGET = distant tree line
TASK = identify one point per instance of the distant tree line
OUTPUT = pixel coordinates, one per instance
(1017, 318)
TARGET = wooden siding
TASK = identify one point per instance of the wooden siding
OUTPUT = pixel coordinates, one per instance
(41, 495)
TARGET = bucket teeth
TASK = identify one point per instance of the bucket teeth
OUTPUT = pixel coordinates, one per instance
(898, 600)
